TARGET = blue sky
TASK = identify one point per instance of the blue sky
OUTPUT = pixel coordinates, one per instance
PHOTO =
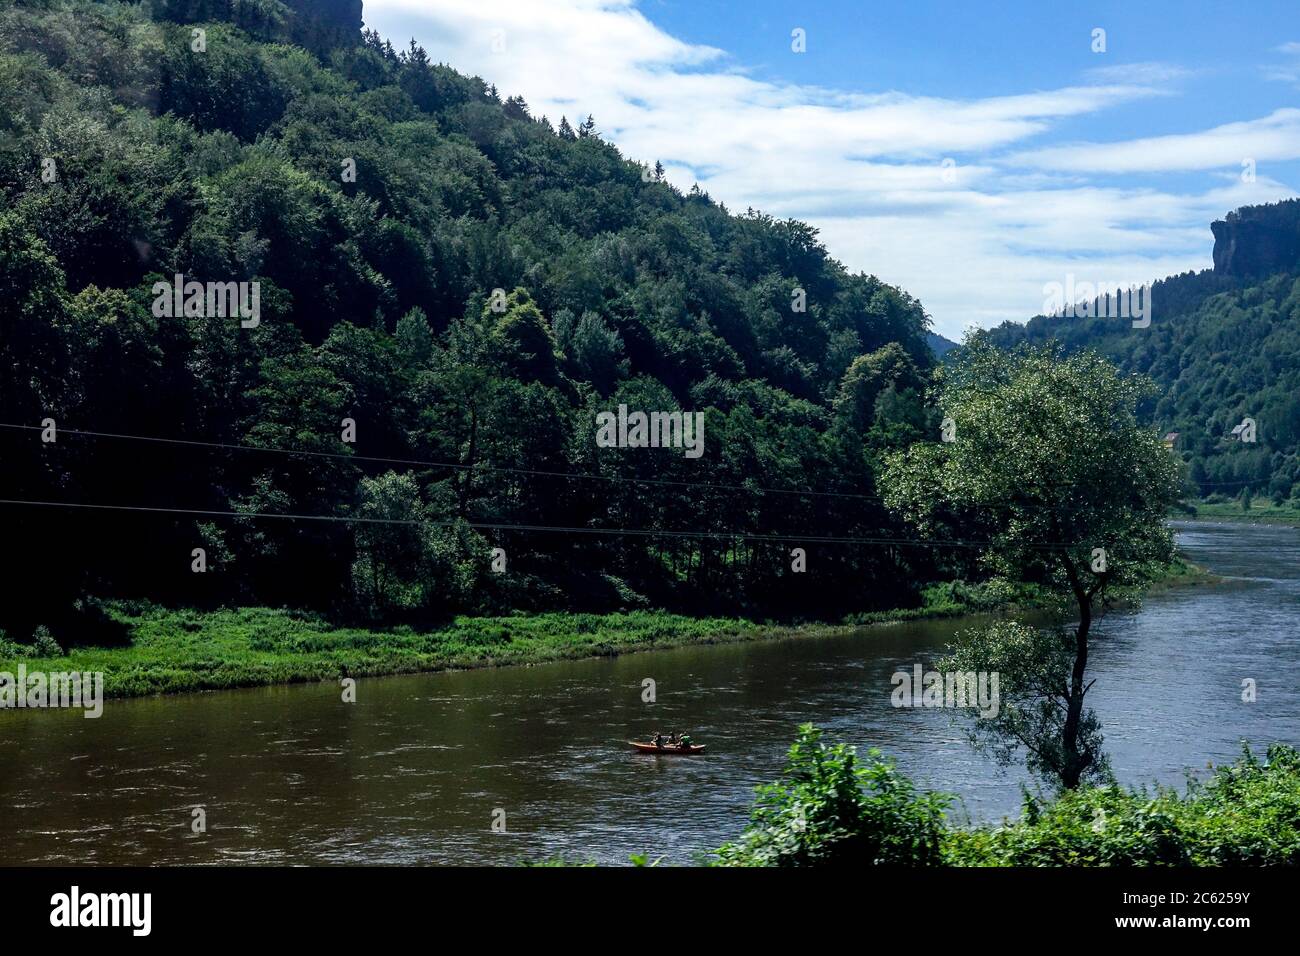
(971, 156)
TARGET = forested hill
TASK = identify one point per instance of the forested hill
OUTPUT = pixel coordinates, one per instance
(1223, 345)
(467, 283)
(939, 345)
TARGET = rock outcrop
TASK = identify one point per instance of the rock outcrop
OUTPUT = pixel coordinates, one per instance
(1258, 240)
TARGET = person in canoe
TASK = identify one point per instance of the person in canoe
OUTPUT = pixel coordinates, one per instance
(658, 740)
(684, 742)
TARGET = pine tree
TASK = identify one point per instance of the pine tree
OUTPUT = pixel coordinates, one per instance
(416, 55)
(516, 108)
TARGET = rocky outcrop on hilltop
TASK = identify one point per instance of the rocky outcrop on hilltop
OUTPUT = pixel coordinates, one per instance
(1258, 240)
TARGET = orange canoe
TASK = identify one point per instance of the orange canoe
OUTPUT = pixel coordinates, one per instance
(667, 749)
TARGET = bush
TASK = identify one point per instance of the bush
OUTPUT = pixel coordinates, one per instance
(827, 810)
(1248, 814)
(44, 644)
(10, 649)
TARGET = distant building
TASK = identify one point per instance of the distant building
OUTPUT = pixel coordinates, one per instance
(1170, 439)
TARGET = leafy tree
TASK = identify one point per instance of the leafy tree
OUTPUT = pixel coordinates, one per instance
(870, 375)
(1052, 468)
(594, 350)
(522, 341)
(411, 560)
(414, 337)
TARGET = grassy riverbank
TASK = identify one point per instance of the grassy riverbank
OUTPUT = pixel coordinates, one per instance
(174, 651)
(183, 650)
(1261, 511)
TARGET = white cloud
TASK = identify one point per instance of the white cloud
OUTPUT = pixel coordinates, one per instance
(1139, 73)
(1273, 137)
(864, 166)
(1288, 72)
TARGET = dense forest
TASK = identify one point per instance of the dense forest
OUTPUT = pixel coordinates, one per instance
(450, 289)
(1223, 345)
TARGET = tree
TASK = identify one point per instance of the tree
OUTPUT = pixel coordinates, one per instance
(867, 377)
(594, 350)
(1051, 467)
(410, 559)
(523, 343)
(517, 108)
(414, 337)
(388, 543)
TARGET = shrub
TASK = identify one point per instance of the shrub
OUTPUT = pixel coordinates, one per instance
(10, 649)
(44, 644)
(1248, 814)
(827, 810)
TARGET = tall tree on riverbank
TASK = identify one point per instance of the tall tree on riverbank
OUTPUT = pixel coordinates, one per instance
(1045, 463)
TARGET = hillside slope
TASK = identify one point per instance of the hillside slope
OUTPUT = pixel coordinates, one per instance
(1223, 346)
(465, 283)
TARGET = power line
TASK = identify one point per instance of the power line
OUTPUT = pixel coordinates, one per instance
(503, 526)
(348, 456)
(425, 463)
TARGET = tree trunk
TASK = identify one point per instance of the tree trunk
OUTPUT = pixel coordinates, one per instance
(1073, 765)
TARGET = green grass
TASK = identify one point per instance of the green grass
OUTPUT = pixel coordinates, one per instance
(1262, 511)
(1182, 573)
(173, 651)
(183, 650)
(179, 650)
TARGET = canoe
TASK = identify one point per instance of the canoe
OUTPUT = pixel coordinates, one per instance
(667, 749)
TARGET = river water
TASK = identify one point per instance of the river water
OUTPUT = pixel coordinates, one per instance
(419, 767)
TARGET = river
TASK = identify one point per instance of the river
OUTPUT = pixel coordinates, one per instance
(416, 771)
